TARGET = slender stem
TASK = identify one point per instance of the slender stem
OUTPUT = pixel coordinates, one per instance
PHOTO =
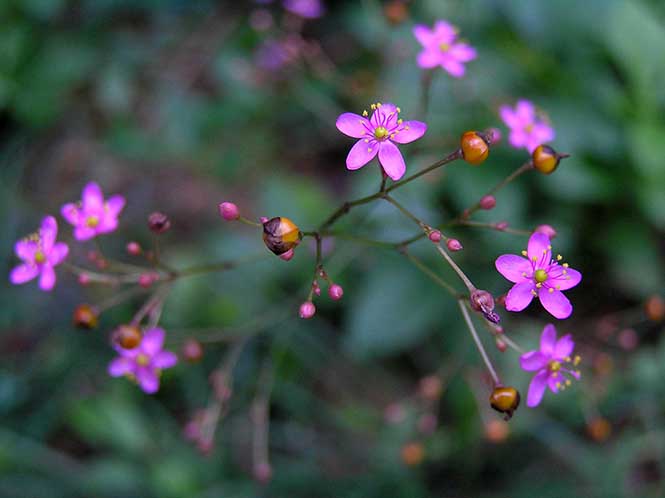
(119, 298)
(260, 414)
(249, 222)
(150, 305)
(359, 239)
(384, 179)
(425, 85)
(428, 271)
(404, 211)
(102, 278)
(453, 156)
(215, 267)
(511, 343)
(491, 226)
(458, 270)
(479, 345)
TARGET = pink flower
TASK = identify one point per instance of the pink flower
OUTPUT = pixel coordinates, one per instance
(40, 253)
(548, 363)
(93, 216)
(145, 362)
(440, 48)
(526, 129)
(309, 9)
(377, 135)
(538, 276)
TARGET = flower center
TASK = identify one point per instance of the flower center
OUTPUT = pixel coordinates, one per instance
(142, 360)
(444, 47)
(555, 366)
(529, 128)
(380, 132)
(540, 276)
(40, 257)
(92, 221)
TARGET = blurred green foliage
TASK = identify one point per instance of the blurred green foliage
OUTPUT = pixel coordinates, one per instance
(170, 103)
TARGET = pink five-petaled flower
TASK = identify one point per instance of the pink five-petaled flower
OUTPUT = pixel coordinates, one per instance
(145, 362)
(93, 215)
(550, 363)
(538, 276)
(377, 135)
(527, 130)
(441, 49)
(40, 253)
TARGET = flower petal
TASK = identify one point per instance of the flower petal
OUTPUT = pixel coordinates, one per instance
(25, 250)
(518, 138)
(114, 205)
(423, 34)
(543, 132)
(525, 111)
(361, 153)
(533, 360)
(48, 232)
(539, 248)
(509, 117)
(107, 224)
(391, 160)
(564, 282)
(384, 115)
(71, 213)
(513, 267)
(82, 233)
(58, 253)
(444, 32)
(47, 279)
(454, 67)
(152, 341)
(462, 52)
(92, 197)
(164, 359)
(429, 58)
(120, 366)
(552, 382)
(555, 303)
(564, 347)
(520, 296)
(409, 131)
(23, 273)
(548, 340)
(537, 389)
(147, 379)
(353, 125)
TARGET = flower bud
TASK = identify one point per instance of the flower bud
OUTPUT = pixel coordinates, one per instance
(502, 225)
(487, 202)
(307, 310)
(482, 301)
(413, 454)
(435, 236)
(85, 317)
(599, 429)
(316, 288)
(262, 472)
(84, 279)
(133, 248)
(430, 387)
(281, 234)
(497, 431)
(288, 255)
(192, 351)
(159, 222)
(545, 159)
(126, 336)
(493, 136)
(505, 400)
(501, 345)
(335, 292)
(654, 308)
(547, 230)
(454, 245)
(396, 11)
(146, 279)
(229, 211)
(427, 423)
(475, 147)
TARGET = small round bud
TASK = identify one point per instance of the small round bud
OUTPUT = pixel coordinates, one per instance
(654, 308)
(307, 310)
(288, 255)
(263, 219)
(396, 11)
(487, 202)
(454, 245)
(192, 351)
(147, 279)
(84, 279)
(262, 472)
(316, 288)
(599, 429)
(281, 234)
(394, 413)
(497, 431)
(435, 236)
(335, 292)
(85, 317)
(482, 301)
(545, 159)
(501, 345)
(493, 136)
(413, 454)
(126, 336)
(133, 248)
(502, 225)
(430, 387)
(628, 339)
(92, 256)
(547, 230)
(229, 211)
(159, 222)
(475, 147)
(427, 423)
(505, 400)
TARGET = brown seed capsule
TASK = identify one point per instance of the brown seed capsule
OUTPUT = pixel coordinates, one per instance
(192, 350)
(85, 317)
(281, 234)
(599, 429)
(475, 147)
(654, 308)
(126, 336)
(159, 222)
(545, 159)
(413, 454)
(505, 400)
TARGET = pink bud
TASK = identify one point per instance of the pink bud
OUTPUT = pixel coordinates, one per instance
(487, 202)
(262, 472)
(502, 225)
(427, 423)
(133, 248)
(146, 280)
(229, 211)
(435, 236)
(307, 310)
(454, 245)
(288, 255)
(547, 230)
(335, 292)
(501, 345)
(493, 135)
(263, 219)
(92, 256)
(84, 279)
(316, 288)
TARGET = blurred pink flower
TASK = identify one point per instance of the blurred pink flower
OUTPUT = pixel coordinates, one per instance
(527, 130)
(377, 135)
(538, 276)
(39, 253)
(145, 362)
(441, 49)
(93, 216)
(309, 9)
(548, 363)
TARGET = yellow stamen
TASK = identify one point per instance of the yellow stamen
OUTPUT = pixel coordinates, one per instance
(92, 221)
(40, 257)
(142, 360)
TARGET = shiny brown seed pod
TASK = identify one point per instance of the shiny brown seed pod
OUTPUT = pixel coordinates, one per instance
(281, 234)
(475, 147)
(85, 317)
(505, 400)
(545, 159)
(127, 336)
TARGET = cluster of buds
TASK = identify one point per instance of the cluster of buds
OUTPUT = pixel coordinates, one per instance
(335, 292)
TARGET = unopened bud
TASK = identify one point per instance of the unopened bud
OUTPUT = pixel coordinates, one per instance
(454, 245)
(430, 387)
(501, 345)
(262, 472)
(86, 317)
(487, 202)
(146, 279)
(229, 211)
(335, 292)
(545, 159)
(482, 301)
(192, 351)
(474, 146)
(547, 230)
(427, 423)
(133, 248)
(599, 429)
(281, 234)
(493, 136)
(84, 279)
(316, 288)
(307, 310)
(126, 336)
(435, 236)
(505, 400)
(396, 11)
(413, 454)
(502, 225)
(159, 222)
(288, 255)
(654, 308)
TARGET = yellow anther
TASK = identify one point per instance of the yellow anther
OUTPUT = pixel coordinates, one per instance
(523, 253)
(577, 360)
(535, 258)
(373, 106)
(550, 290)
(40, 257)
(365, 113)
(539, 285)
(555, 375)
(549, 247)
(559, 385)
(406, 127)
(565, 265)
(559, 257)
(568, 382)
(534, 292)
(524, 274)
(555, 366)
(564, 272)
(544, 251)
(369, 149)
(399, 110)
(558, 287)
(367, 140)
(378, 104)
(400, 121)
